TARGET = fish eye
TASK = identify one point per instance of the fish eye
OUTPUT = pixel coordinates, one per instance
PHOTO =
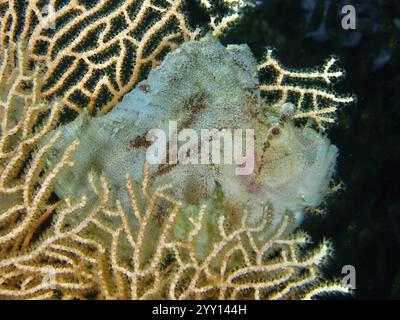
(276, 130)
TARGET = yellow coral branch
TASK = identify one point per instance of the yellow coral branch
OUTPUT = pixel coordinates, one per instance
(117, 33)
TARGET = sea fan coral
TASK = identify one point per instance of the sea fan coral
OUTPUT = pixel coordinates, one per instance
(105, 256)
(102, 249)
(82, 215)
(96, 51)
(25, 121)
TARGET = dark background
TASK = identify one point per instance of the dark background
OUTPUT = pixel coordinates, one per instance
(363, 221)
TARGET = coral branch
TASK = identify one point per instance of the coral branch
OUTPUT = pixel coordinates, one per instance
(88, 49)
(323, 103)
(25, 120)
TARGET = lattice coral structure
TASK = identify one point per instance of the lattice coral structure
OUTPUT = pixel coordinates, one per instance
(104, 250)
(24, 120)
(305, 89)
(104, 256)
(97, 51)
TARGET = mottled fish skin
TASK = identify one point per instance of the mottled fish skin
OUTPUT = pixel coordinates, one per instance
(201, 85)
